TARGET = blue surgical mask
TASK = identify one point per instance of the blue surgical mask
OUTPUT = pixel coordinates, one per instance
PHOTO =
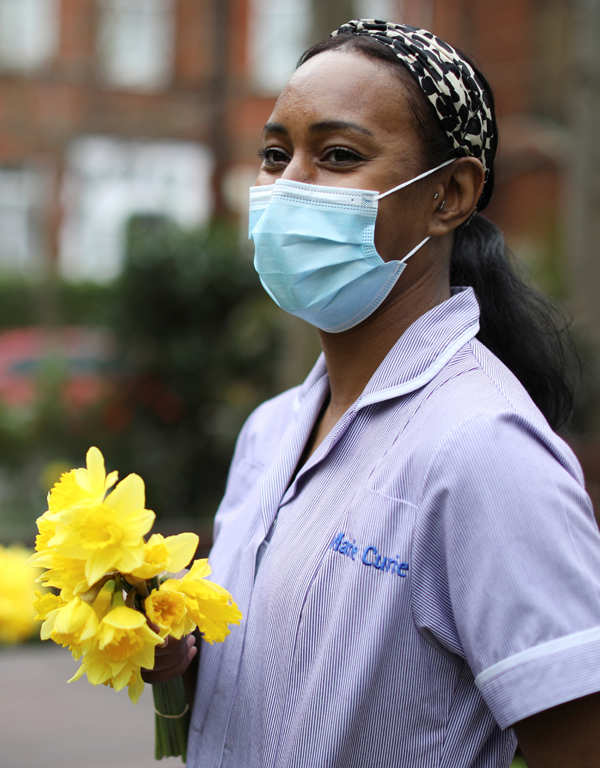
(314, 250)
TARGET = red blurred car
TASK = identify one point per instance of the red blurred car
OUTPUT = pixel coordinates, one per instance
(83, 356)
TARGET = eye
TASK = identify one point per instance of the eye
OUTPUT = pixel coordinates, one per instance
(341, 156)
(273, 157)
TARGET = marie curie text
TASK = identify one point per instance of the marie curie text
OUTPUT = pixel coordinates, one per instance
(369, 556)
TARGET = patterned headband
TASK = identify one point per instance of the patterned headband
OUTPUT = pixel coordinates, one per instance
(462, 105)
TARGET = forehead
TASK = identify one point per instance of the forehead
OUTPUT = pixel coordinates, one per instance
(349, 86)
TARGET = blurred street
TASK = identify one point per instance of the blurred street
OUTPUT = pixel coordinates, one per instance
(45, 722)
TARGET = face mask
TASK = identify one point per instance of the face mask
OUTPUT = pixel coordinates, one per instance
(314, 250)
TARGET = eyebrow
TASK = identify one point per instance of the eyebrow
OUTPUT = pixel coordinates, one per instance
(323, 125)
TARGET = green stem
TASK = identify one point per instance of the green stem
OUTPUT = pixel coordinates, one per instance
(171, 732)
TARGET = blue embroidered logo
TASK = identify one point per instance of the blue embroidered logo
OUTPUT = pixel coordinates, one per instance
(370, 557)
(344, 547)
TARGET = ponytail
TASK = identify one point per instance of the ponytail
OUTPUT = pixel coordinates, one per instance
(519, 325)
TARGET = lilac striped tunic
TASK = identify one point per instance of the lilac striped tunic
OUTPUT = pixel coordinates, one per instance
(432, 573)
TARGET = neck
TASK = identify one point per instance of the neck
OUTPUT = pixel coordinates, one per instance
(353, 357)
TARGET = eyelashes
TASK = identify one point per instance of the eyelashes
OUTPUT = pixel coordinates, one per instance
(272, 156)
(343, 155)
(339, 157)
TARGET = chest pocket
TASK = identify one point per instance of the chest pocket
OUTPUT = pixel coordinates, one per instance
(376, 532)
(359, 596)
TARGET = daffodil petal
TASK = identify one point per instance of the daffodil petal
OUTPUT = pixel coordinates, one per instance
(128, 495)
(111, 479)
(136, 687)
(200, 569)
(120, 680)
(142, 520)
(97, 672)
(147, 657)
(98, 565)
(181, 548)
(80, 672)
(123, 617)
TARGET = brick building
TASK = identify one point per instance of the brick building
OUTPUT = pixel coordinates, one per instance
(113, 106)
(110, 107)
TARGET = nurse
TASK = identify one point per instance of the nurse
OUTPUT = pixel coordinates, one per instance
(409, 541)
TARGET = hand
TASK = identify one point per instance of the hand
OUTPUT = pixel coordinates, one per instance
(171, 659)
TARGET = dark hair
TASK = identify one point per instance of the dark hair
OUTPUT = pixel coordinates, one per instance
(517, 323)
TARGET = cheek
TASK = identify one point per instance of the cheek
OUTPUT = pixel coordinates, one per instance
(399, 227)
(391, 231)
(264, 178)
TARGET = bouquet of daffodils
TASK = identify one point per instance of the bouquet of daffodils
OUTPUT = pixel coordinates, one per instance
(107, 580)
(17, 576)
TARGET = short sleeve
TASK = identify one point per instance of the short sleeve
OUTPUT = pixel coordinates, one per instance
(506, 565)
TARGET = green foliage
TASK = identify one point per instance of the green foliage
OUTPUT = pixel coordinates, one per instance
(199, 343)
(19, 301)
(198, 346)
(26, 302)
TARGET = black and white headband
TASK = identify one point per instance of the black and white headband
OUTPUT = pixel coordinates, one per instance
(462, 105)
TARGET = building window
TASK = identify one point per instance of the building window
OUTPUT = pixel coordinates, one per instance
(21, 207)
(136, 42)
(108, 180)
(279, 32)
(28, 33)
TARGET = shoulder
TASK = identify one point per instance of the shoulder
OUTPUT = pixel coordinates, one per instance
(264, 428)
(476, 411)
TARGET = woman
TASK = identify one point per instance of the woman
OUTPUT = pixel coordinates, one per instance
(409, 542)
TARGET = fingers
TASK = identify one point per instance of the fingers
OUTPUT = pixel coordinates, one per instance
(171, 659)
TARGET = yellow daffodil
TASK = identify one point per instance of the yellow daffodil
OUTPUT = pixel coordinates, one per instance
(167, 609)
(135, 686)
(208, 605)
(91, 545)
(17, 592)
(103, 601)
(46, 602)
(122, 644)
(89, 484)
(86, 534)
(46, 530)
(107, 536)
(170, 554)
(64, 573)
(72, 626)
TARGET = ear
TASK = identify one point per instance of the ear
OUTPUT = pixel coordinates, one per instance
(456, 195)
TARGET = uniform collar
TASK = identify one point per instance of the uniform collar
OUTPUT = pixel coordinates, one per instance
(419, 354)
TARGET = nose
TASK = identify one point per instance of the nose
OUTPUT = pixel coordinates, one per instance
(300, 168)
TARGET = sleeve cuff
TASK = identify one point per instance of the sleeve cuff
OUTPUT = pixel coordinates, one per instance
(542, 677)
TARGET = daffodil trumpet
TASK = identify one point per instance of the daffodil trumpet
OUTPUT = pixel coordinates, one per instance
(113, 597)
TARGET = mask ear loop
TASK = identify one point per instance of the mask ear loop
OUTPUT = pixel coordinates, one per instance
(417, 178)
(414, 250)
(406, 184)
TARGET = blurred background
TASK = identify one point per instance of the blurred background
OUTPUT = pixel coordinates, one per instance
(130, 315)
